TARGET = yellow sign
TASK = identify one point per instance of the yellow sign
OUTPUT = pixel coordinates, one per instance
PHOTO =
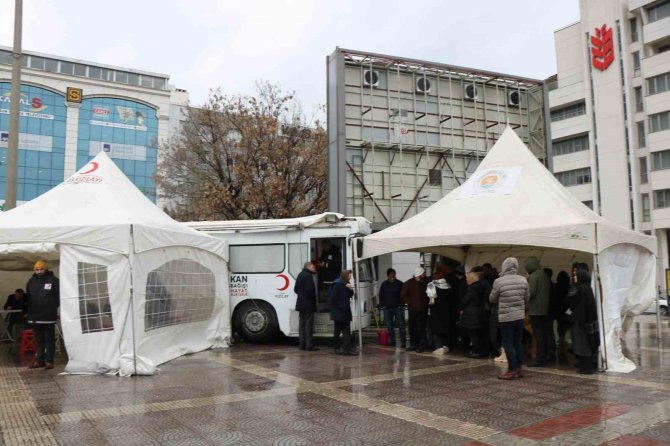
(667, 281)
(74, 94)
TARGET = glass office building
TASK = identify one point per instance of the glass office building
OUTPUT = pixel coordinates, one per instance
(123, 112)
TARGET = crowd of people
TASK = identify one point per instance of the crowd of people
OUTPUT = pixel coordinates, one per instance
(482, 313)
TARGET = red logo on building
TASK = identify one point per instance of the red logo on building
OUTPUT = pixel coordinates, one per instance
(602, 48)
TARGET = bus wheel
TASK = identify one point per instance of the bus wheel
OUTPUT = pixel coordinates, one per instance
(256, 321)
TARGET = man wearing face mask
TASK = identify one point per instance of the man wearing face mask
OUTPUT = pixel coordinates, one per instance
(43, 293)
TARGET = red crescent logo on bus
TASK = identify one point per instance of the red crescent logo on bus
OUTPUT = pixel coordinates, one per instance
(286, 282)
(94, 167)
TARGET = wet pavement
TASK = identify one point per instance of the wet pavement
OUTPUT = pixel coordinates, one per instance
(279, 395)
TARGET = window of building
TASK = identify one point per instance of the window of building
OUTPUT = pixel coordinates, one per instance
(147, 81)
(179, 292)
(636, 63)
(95, 311)
(588, 204)
(106, 75)
(94, 72)
(5, 57)
(79, 69)
(122, 77)
(159, 83)
(574, 177)
(659, 122)
(257, 259)
(644, 173)
(37, 62)
(663, 48)
(658, 84)
(133, 79)
(659, 11)
(435, 177)
(641, 136)
(297, 256)
(568, 112)
(662, 198)
(639, 104)
(646, 208)
(571, 145)
(66, 67)
(661, 160)
(51, 65)
(633, 29)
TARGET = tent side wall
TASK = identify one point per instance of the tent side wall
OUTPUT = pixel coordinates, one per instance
(181, 303)
(627, 276)
(95, 306)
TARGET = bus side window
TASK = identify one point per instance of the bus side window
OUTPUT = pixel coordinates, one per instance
(297, 256)
(250, 259)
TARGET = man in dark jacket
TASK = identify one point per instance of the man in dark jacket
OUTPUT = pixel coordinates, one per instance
(539, 286)
(473, 313)
(340, 313)
(414, 295)
(393, 307)
(43, 293)
(305, 304)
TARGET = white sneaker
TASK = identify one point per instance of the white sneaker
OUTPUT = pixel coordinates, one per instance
(441, 351)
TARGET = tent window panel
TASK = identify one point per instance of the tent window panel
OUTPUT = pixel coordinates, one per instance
(95, 311)
(179, 292)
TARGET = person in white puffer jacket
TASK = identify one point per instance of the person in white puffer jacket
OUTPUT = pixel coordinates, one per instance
(510, 292)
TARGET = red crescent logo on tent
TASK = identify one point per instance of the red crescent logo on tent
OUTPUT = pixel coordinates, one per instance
(94, 167)
(286, 282)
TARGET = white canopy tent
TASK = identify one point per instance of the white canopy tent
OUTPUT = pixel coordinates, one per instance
(513, 206)
(137, 287)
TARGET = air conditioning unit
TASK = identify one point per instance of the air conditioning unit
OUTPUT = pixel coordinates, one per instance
(513, 98)
(370, 78)
(470, 92)
(423, 85)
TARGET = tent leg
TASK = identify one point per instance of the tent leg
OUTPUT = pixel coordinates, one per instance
(658, 316)
(599, 303)
(357, 300)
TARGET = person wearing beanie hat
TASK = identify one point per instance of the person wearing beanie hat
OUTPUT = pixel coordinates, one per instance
(43, 297)
(413, 294)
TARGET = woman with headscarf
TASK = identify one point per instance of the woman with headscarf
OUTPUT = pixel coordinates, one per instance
(584, 330)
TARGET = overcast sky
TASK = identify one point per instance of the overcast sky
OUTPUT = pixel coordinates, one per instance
(204, 44)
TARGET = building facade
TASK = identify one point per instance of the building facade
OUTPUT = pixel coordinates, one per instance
(403, 132)
(123, 112)
(610, 114)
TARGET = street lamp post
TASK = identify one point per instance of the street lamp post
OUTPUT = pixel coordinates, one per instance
(14, 111)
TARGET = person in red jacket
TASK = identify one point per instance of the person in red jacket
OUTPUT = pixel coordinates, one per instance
(414, 296)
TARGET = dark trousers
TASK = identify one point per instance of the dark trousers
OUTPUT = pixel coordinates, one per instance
(396, 314)
(305, 329)
(46, 342)
(417, 328)
(479, 341)
(494, 334)
(543, 330)
(512, 335)
(345, 329)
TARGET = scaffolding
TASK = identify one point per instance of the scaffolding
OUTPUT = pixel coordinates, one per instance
(403, 133)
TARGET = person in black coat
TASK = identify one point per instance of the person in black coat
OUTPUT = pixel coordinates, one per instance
(16, 301)
(562, 287)
(340, 312)
(305, 304)
(43, 295)
(473, 313)
(390, 302)
(584, 330)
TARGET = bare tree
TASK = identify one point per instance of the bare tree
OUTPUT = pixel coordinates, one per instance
(245, 157)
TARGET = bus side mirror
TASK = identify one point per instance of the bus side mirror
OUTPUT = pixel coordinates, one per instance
(359, 248)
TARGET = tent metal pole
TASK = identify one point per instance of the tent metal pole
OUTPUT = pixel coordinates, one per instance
(132, 299)
(357, 300)
(599, 302)
(658, 316)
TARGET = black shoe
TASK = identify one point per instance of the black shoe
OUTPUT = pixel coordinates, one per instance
(301, 348)
(586, 371)
(411, 347)
(402, 345)
(419, 350)
(312, 348)
(536, 364)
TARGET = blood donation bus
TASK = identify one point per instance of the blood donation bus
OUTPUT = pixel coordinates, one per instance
(266, 257)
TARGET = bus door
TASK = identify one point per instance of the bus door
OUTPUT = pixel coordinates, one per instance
(330, 253)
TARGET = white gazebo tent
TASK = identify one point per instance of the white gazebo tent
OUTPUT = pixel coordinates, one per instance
(513, 206)
(137, 287)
